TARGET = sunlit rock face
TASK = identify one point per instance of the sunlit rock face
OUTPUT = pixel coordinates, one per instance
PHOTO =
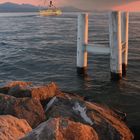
(106, 123)
(44, 93)
(12, 128)
(24, 108)
(21, 89)
(62, 129)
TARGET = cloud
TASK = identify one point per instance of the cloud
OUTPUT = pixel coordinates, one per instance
(93, 4)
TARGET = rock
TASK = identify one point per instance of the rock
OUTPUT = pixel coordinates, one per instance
(19, 83)
(62, 129)
(23, 108)
(21, 89)
(42, 93)
(19, 92)
(10, 85)
(105, 122)
(12, 128)
(136, 130)
(45, 92)
(4, 90)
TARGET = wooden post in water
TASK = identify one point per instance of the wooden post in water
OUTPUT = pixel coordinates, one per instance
(115, 45)
(125, 25)
(82, 41)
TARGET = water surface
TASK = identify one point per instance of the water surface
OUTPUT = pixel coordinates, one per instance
(43, 49)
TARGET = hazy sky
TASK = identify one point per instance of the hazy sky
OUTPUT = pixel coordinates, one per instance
(96, 4)
(82, 4)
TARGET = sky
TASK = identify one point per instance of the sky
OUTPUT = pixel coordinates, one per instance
(132, 5)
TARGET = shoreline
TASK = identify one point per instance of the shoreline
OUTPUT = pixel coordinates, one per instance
(55, 102)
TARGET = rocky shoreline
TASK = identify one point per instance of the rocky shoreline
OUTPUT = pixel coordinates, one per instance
(29, 112)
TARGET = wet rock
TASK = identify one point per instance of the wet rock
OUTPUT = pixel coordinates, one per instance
(12, 128)
(105, 122)
(14, 84)
(19, 92)
(121, 115)
(19, 89)
(62, 129)
(23, 108)
(4, 90)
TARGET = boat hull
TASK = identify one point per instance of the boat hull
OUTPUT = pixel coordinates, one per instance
(50, 12)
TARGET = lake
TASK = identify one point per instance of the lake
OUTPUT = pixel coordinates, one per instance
(43, 49)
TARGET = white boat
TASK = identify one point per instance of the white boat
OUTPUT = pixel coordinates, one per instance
(50, 11)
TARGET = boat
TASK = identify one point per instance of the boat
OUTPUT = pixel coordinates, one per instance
(50, 11)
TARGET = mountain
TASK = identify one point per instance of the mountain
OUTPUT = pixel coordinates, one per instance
(13, 7)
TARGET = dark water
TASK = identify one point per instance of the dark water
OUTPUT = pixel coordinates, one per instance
(43, 49)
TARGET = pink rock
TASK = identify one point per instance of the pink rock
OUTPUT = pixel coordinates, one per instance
(12, 128)
(62, 129)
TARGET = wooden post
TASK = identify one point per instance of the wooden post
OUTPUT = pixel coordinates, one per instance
(125, 25)
(115, 45)
(82, 41)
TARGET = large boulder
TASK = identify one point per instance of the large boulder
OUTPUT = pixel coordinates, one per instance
(21, 89)
(23, 108)
(105, 122)
(62, 129)
(12, 128)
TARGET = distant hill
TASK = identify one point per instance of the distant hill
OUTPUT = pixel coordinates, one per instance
(13, 7)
